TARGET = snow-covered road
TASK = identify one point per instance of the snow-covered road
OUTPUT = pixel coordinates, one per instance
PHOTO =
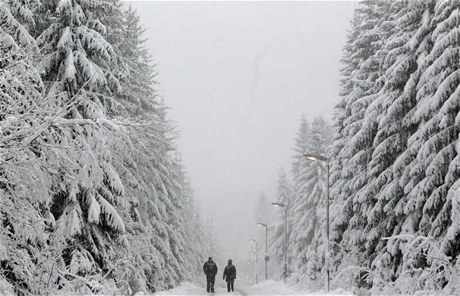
(190, 289)
(265, 288)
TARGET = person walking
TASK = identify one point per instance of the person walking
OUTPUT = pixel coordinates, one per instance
(210, 269)
(230, 275)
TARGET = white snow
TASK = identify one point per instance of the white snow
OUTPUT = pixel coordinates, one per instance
(269, 287)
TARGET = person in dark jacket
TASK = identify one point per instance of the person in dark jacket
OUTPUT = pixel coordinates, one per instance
(230, 275)
(210, 269)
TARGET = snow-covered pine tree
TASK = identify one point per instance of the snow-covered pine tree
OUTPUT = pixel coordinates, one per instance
(23, 182)
(363, 56)
(143, 164)
(135, 67)
(86, 188)
(176, 220)
(97, 160)
(153, 176)
(298, 238)
(431, 179)
(340, 174)
(195, 247)
(413, 174)
(359, 74)
(139, 146)
(284, 195)
(190, 249)
(394, 109)
(200, 249)
(308, 211)
(437, 110)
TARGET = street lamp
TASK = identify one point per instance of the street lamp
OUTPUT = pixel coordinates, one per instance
(282, 205)
(266, 246)
(315, 157)
(254, 241)
(324, 159)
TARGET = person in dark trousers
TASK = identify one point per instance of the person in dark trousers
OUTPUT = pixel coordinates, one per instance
(210, 269)
(230, 275)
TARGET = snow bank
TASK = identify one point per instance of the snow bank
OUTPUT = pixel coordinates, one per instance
(5, 287)
(271, 287)
(185, 288)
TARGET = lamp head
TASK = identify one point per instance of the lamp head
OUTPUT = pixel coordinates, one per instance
(315, 157)
(278, 204)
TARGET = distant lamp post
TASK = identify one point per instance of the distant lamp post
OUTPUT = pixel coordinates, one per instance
(324, 159)
(266, 247)
(282, 205)
(254, 241)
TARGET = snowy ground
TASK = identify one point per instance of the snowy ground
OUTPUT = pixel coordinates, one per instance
(264, 288)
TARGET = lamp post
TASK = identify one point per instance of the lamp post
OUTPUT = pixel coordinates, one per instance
(324, 159)
(266, 247)
(254, 241)
(282, 205)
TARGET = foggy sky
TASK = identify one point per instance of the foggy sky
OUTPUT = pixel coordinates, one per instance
(238, 76)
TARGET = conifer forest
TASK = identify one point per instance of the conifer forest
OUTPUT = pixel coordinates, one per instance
(95, 197)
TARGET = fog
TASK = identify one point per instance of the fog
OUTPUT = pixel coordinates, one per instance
(237, 77)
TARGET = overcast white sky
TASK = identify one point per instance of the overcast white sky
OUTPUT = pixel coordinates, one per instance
(238, 76)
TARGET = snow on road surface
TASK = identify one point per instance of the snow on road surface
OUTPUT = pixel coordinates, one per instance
(265, 288)
(278, 288)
